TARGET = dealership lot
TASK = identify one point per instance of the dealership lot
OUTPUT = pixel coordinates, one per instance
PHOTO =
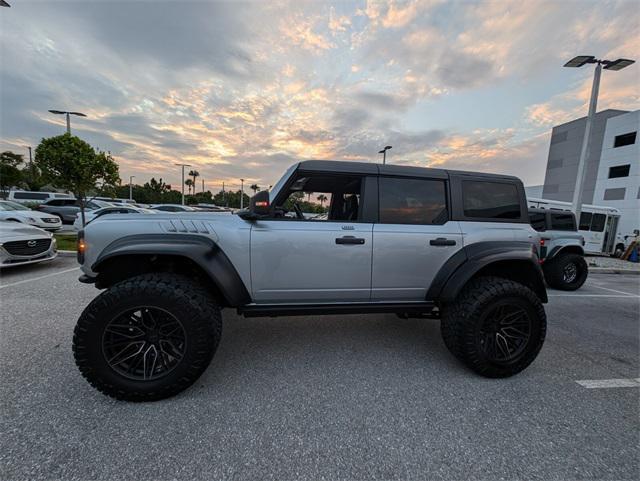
(339, 397)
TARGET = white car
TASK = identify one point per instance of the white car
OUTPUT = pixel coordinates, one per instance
(19, 213)
(22, 244)
(173, 208)
(117, 209)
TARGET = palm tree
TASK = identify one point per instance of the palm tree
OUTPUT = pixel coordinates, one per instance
(254, 188)
(309, 196)
(189, 183)
(194, 174)
(322, 198)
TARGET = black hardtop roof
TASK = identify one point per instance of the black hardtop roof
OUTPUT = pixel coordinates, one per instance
(349, 167)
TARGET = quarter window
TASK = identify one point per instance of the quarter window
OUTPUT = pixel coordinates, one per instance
(490, 200)
(538, 221)
(619, 171)
(563, 222)
(412, 201)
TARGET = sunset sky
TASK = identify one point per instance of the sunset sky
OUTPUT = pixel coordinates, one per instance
(245, 89)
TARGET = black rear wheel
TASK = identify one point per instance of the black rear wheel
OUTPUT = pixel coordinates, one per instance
(495, 326)
(148, 337)
(566, 272)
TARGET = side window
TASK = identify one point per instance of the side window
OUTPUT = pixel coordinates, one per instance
(563, 222)
(538, 221)
(30, 195)
(585, 220)
(55, 202)
(322, 197)
(490, 200)
(597, 222)
(412, 201)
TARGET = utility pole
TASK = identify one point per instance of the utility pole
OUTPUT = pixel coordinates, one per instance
(241, 193)
(183, 166)
(131, 177)
(67, 115)
(384, 154)
(203, 185)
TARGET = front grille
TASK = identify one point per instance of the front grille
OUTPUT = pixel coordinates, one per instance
(51, 220)
(27, 248)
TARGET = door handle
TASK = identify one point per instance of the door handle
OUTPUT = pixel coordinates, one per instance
(441, 241)
(349, 239)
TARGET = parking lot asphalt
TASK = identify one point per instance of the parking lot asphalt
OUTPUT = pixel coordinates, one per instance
(336, 397)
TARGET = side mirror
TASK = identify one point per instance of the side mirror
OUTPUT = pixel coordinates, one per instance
(260, 206)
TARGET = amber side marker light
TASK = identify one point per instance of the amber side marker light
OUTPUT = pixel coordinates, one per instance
(81, 246)
(262, 203)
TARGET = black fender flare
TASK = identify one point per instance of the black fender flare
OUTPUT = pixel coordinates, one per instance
(202, 250)
(469, 260)
(558, 249)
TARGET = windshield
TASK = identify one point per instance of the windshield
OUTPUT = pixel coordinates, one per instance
(6, 205)
(276, 188)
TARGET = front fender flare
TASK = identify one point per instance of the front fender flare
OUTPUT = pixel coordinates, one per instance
(202, 250)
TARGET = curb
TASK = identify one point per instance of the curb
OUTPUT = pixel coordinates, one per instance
(609, 270)
(67, 253)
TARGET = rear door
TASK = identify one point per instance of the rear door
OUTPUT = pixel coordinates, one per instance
(413, 238)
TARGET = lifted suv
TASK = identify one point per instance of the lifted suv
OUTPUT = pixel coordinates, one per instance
(561, 248)
(432, 243)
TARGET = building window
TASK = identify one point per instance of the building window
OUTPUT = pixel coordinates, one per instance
(551, 189)
(554, 164)
(625, 139)
(614, 194)
(490, 200)
(619, 171)
(558, 137)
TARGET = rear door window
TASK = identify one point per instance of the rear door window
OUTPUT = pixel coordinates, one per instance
(490, 200)
(412, 201)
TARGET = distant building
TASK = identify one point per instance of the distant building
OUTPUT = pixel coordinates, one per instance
(534, 191)
(612, 170)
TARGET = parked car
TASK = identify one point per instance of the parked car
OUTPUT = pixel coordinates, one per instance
(22, 244)
(211, 208)
(94, 214)
(173, 208)
(19, 213)
(417, 242)
(561, 248)
(25, 196)
(67, 209)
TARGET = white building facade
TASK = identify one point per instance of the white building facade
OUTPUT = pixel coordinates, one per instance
(618, 178)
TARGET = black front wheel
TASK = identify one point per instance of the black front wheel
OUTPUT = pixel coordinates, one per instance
(495, 326)
(148, 337)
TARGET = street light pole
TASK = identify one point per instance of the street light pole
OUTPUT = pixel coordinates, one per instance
(183, 166)
(67, 115)
(579, 61)
(384, 154)
(131, 177)
(241, 193)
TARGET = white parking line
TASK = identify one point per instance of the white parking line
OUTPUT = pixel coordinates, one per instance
(628, 296)
(609, 383)
(38, 278)
(612, 290)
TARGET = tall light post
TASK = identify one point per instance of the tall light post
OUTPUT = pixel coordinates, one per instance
(131, 177)
(579, 61)
(183, 166)
(384, 154)
(241, 193)
(67, 114)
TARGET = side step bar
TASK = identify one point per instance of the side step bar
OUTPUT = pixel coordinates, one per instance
(409, 309)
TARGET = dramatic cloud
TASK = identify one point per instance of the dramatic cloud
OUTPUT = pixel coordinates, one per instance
(245, 89)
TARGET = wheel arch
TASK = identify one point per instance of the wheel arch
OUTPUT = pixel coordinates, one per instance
(566, 249)
(517, 261)
(191, 255)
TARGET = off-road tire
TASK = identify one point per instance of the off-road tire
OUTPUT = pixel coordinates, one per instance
(554, 271)
(194, 308)
(463, 318)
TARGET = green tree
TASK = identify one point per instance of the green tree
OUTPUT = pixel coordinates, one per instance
(10, 174)
(69, 163)
(254, 188)
(230, 199)
(194, 174)
(309, 194)
(322, 199)
(189, 183)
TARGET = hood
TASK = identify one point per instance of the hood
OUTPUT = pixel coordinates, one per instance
(15, 231)
(35, 214)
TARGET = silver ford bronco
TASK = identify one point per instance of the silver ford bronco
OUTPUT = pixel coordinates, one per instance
(417, 242)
